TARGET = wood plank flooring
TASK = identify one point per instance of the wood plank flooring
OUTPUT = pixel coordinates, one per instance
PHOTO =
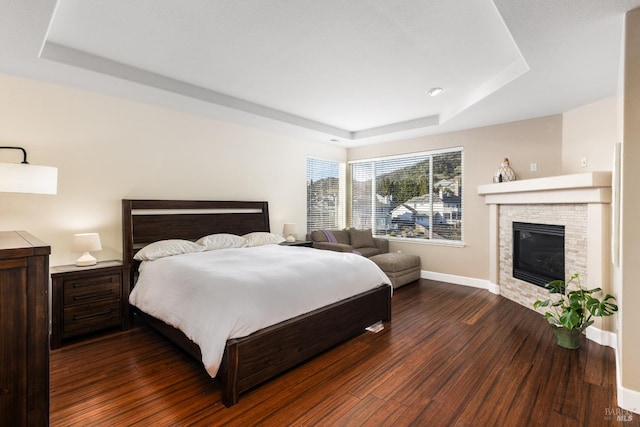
(452, 356)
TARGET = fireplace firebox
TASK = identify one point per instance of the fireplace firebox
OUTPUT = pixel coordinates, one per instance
(538, 252)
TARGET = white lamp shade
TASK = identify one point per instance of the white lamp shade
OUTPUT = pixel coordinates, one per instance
(25, 178)
(289, 231)
(86, 242)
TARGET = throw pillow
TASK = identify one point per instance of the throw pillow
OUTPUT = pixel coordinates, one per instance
(319, 236)
(361, 238)
(342, 236)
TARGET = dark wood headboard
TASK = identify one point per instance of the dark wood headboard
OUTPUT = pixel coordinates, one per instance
(147, 221)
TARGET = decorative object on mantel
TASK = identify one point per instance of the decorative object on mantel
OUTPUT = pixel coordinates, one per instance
(504, 172)
(571, 314)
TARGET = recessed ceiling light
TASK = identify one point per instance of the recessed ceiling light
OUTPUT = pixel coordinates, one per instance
(434, 91)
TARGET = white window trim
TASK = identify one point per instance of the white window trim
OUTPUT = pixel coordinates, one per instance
(430, 241)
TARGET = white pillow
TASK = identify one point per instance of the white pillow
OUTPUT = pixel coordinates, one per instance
(222, 241)
(260, 238)
(164, 248)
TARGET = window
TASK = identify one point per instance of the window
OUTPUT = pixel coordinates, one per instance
(418, 196)
(325, 194)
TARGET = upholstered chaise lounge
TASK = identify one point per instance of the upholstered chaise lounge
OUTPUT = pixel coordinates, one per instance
(349, 240)
(399, 267)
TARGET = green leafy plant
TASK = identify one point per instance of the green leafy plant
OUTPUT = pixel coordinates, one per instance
(574, 309)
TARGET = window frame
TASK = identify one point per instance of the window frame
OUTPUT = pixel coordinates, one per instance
(431, 154)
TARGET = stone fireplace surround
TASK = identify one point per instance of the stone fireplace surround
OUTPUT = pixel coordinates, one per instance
(580, 202)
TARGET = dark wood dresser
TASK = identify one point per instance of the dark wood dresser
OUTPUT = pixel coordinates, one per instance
(88, 299)
(24, 330)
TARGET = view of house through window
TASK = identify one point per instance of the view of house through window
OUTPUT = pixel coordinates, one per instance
(324, 209)
(418, 196)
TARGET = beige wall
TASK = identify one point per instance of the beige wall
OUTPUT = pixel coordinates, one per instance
(107, 149)
(531, 141)
(590, 132)
(629, 298)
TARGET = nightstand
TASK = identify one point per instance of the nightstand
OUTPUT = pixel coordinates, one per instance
(88, 299)
(305, 243)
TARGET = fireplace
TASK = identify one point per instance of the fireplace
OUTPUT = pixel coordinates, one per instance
(580, 202)
(538, 252)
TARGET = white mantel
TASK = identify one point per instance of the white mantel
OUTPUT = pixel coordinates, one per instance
(591, 187)
(587, 195)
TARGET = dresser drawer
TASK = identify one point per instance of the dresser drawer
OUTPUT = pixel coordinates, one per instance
(89, 289)
(80, 319)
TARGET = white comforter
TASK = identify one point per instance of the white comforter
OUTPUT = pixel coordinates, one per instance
(217, 295)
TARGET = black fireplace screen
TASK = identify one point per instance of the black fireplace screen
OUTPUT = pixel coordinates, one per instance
(538, 252)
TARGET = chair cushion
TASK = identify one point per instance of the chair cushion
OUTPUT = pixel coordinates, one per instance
(395, 262)
(341, 236)
(361, 238)
(400, 268)
(339, 247)
(368, 252)
(319, 236)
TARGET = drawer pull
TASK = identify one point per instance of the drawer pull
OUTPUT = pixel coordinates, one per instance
(88, 316)
(79, 285)
(81, 297)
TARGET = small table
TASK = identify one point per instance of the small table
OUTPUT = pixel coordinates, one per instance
(88, 299)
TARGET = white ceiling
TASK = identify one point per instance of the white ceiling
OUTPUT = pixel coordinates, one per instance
(351, 71)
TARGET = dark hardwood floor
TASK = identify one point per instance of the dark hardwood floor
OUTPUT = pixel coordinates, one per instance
(452, 356)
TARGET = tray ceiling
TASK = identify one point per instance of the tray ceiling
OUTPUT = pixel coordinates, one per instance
(351, 72)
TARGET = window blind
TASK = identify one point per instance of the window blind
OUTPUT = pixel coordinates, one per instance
(323, 194)
(417, 196)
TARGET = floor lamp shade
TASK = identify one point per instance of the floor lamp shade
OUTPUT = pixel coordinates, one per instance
(85, 243)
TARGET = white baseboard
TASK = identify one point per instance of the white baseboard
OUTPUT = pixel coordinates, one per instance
(629, 400)
(601, 337)
(461, 280)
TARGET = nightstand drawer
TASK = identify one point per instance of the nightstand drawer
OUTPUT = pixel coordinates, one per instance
(89, 317)
(90, 289)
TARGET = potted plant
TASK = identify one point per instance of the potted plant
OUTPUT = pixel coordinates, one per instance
(571, 310)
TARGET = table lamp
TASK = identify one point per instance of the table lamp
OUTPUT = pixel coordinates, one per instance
(85, 243)
(289, 231)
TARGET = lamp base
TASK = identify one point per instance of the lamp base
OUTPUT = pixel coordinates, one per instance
(85, 260)
(290, 238)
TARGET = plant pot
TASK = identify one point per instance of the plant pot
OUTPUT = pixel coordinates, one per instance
(567, 338)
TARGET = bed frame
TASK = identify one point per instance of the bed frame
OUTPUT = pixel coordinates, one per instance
(251, 360)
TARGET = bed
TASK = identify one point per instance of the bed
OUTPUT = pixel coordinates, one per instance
(253, 359)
